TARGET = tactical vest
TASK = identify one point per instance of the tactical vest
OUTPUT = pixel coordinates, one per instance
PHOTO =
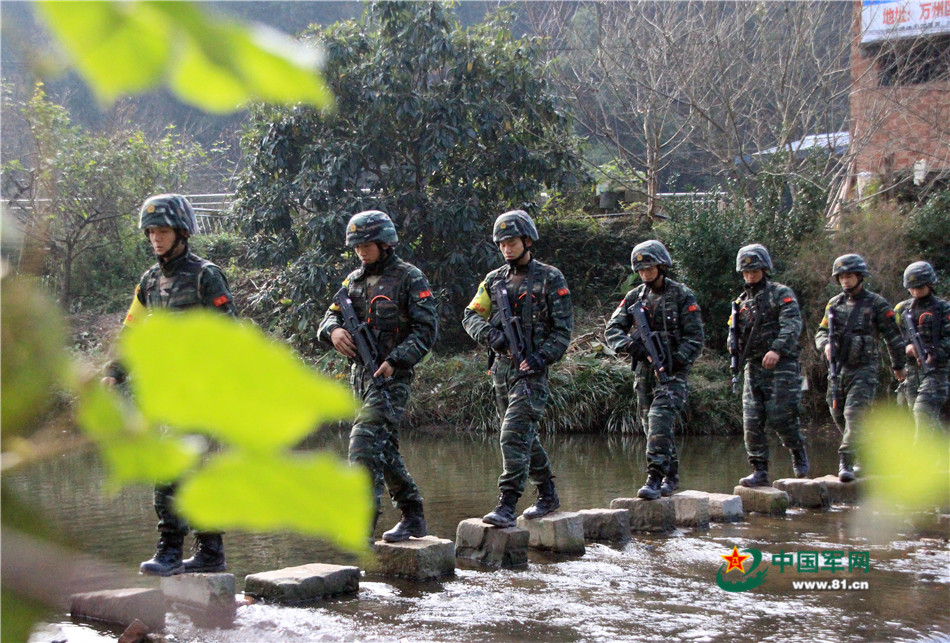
(383, 309)
(539, 324)
(859, 346)
(180, 290)
(663, 311)
(929, 320)
(756, 344)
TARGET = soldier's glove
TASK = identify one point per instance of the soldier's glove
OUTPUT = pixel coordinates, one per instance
(637, 351)
(535, 362)
(497, 341)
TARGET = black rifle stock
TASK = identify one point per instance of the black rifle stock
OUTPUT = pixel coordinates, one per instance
(834, 366)
(511, 327)
(366, 345)
(734, 356)
(912, 334)
(652, 343)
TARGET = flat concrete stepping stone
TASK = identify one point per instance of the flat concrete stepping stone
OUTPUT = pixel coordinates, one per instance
(812, 494)
(417, 558)
(648, 515)
(121, 606)
(723, 507)
(303, 584)
(477, 540)
(561, 532)
(205, 597)
(692, 510)
(763, 500)
(841, 492)
(606, 524)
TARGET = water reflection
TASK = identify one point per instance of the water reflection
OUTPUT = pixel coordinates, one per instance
(656, 587)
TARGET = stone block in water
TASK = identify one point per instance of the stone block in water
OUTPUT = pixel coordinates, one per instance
(763, 500)
(476, 540)
(416, 558)
(841, 492)
(812, 494)
(648, 515)
(606, 524)
(692, 509)
(121, 607)
(561, 532)
(205, 597)
(303, 584)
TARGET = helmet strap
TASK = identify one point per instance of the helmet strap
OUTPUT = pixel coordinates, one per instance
(514, 263)
(171, 253)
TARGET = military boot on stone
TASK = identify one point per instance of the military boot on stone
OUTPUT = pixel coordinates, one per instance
(800, 462)
(546, 503)
(504, 514)
(413, 523)
(671, 481)
(759, 476)
(209, 555)
(845, 468)
(167, 558)
(651, 488)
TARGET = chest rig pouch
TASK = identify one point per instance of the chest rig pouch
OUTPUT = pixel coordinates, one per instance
(376, 299)
(758, 326)
(662, 310)
(857, 339)
(179, 291)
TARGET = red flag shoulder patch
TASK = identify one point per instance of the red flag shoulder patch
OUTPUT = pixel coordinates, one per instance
(889, 313)
(425, 293)
(788, 300)
(221, 300)
(693, 308)
(562, 292)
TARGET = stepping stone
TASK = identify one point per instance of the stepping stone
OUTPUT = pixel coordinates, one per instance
(841, 492)
(561, 532)
(606, 524)
(416, 558)
(303, 584)
(648, 515)
(763, 500)
(205, 597)
(476, 540)
(812, 494)
(121, 606)
(723, 507)
(691, 510)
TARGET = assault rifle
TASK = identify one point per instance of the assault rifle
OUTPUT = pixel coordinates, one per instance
(652, 343)
(912, 334)
(511, 327)
(734, 347)
(366, 345)
(834, 375)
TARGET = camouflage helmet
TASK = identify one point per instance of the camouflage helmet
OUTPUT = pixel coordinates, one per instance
(919, 273)
(850, 263)
(753, 257)
(369, 226)
(514, 223)
(172, 210)
(650, 253)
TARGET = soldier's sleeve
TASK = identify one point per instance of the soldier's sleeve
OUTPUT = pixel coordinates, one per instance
(423, 322)
(561, 312)
(692, 336)
(789, 324)
(887, 326)
(821, 335)
(618, 326)
(475, 319)
(943, 347)
(215, 292)
(332, 319)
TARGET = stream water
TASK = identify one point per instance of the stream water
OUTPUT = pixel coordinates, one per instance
(652, 588)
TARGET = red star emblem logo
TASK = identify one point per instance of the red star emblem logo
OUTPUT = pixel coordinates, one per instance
(735, 560)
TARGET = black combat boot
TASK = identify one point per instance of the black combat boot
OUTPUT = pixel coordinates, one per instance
(651, 488)
(546, 503)
(209, 555)
(413, 523)
(167, 558)
(504, 514)
(671, 481)
(759, 476)
(846, 467)
(800, 462)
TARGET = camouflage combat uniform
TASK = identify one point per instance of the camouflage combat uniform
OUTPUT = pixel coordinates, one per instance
(520, 400)
(674, 313)
(394, 298)
(858, 356)
(926, 389)
(769, 319)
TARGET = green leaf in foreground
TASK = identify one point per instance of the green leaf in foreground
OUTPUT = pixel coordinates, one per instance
(311, 494)
(203, 371)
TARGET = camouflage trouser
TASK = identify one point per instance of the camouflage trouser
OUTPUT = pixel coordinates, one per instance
(773, 397)
(856, 393)
(168, 520)
(520, 404)
(374, 439)
(659, 407)
(926, 394)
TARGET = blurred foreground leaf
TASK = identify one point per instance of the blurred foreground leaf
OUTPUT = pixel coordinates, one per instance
(202, 371)
(313, 494)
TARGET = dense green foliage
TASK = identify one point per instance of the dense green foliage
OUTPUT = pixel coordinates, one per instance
(442, 127)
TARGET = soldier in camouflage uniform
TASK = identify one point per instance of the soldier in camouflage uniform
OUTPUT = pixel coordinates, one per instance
(521, 390)
(768, 324)
(395, 300)
(861, 317)
(672, 311)
(179, 281)
(926, 386)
